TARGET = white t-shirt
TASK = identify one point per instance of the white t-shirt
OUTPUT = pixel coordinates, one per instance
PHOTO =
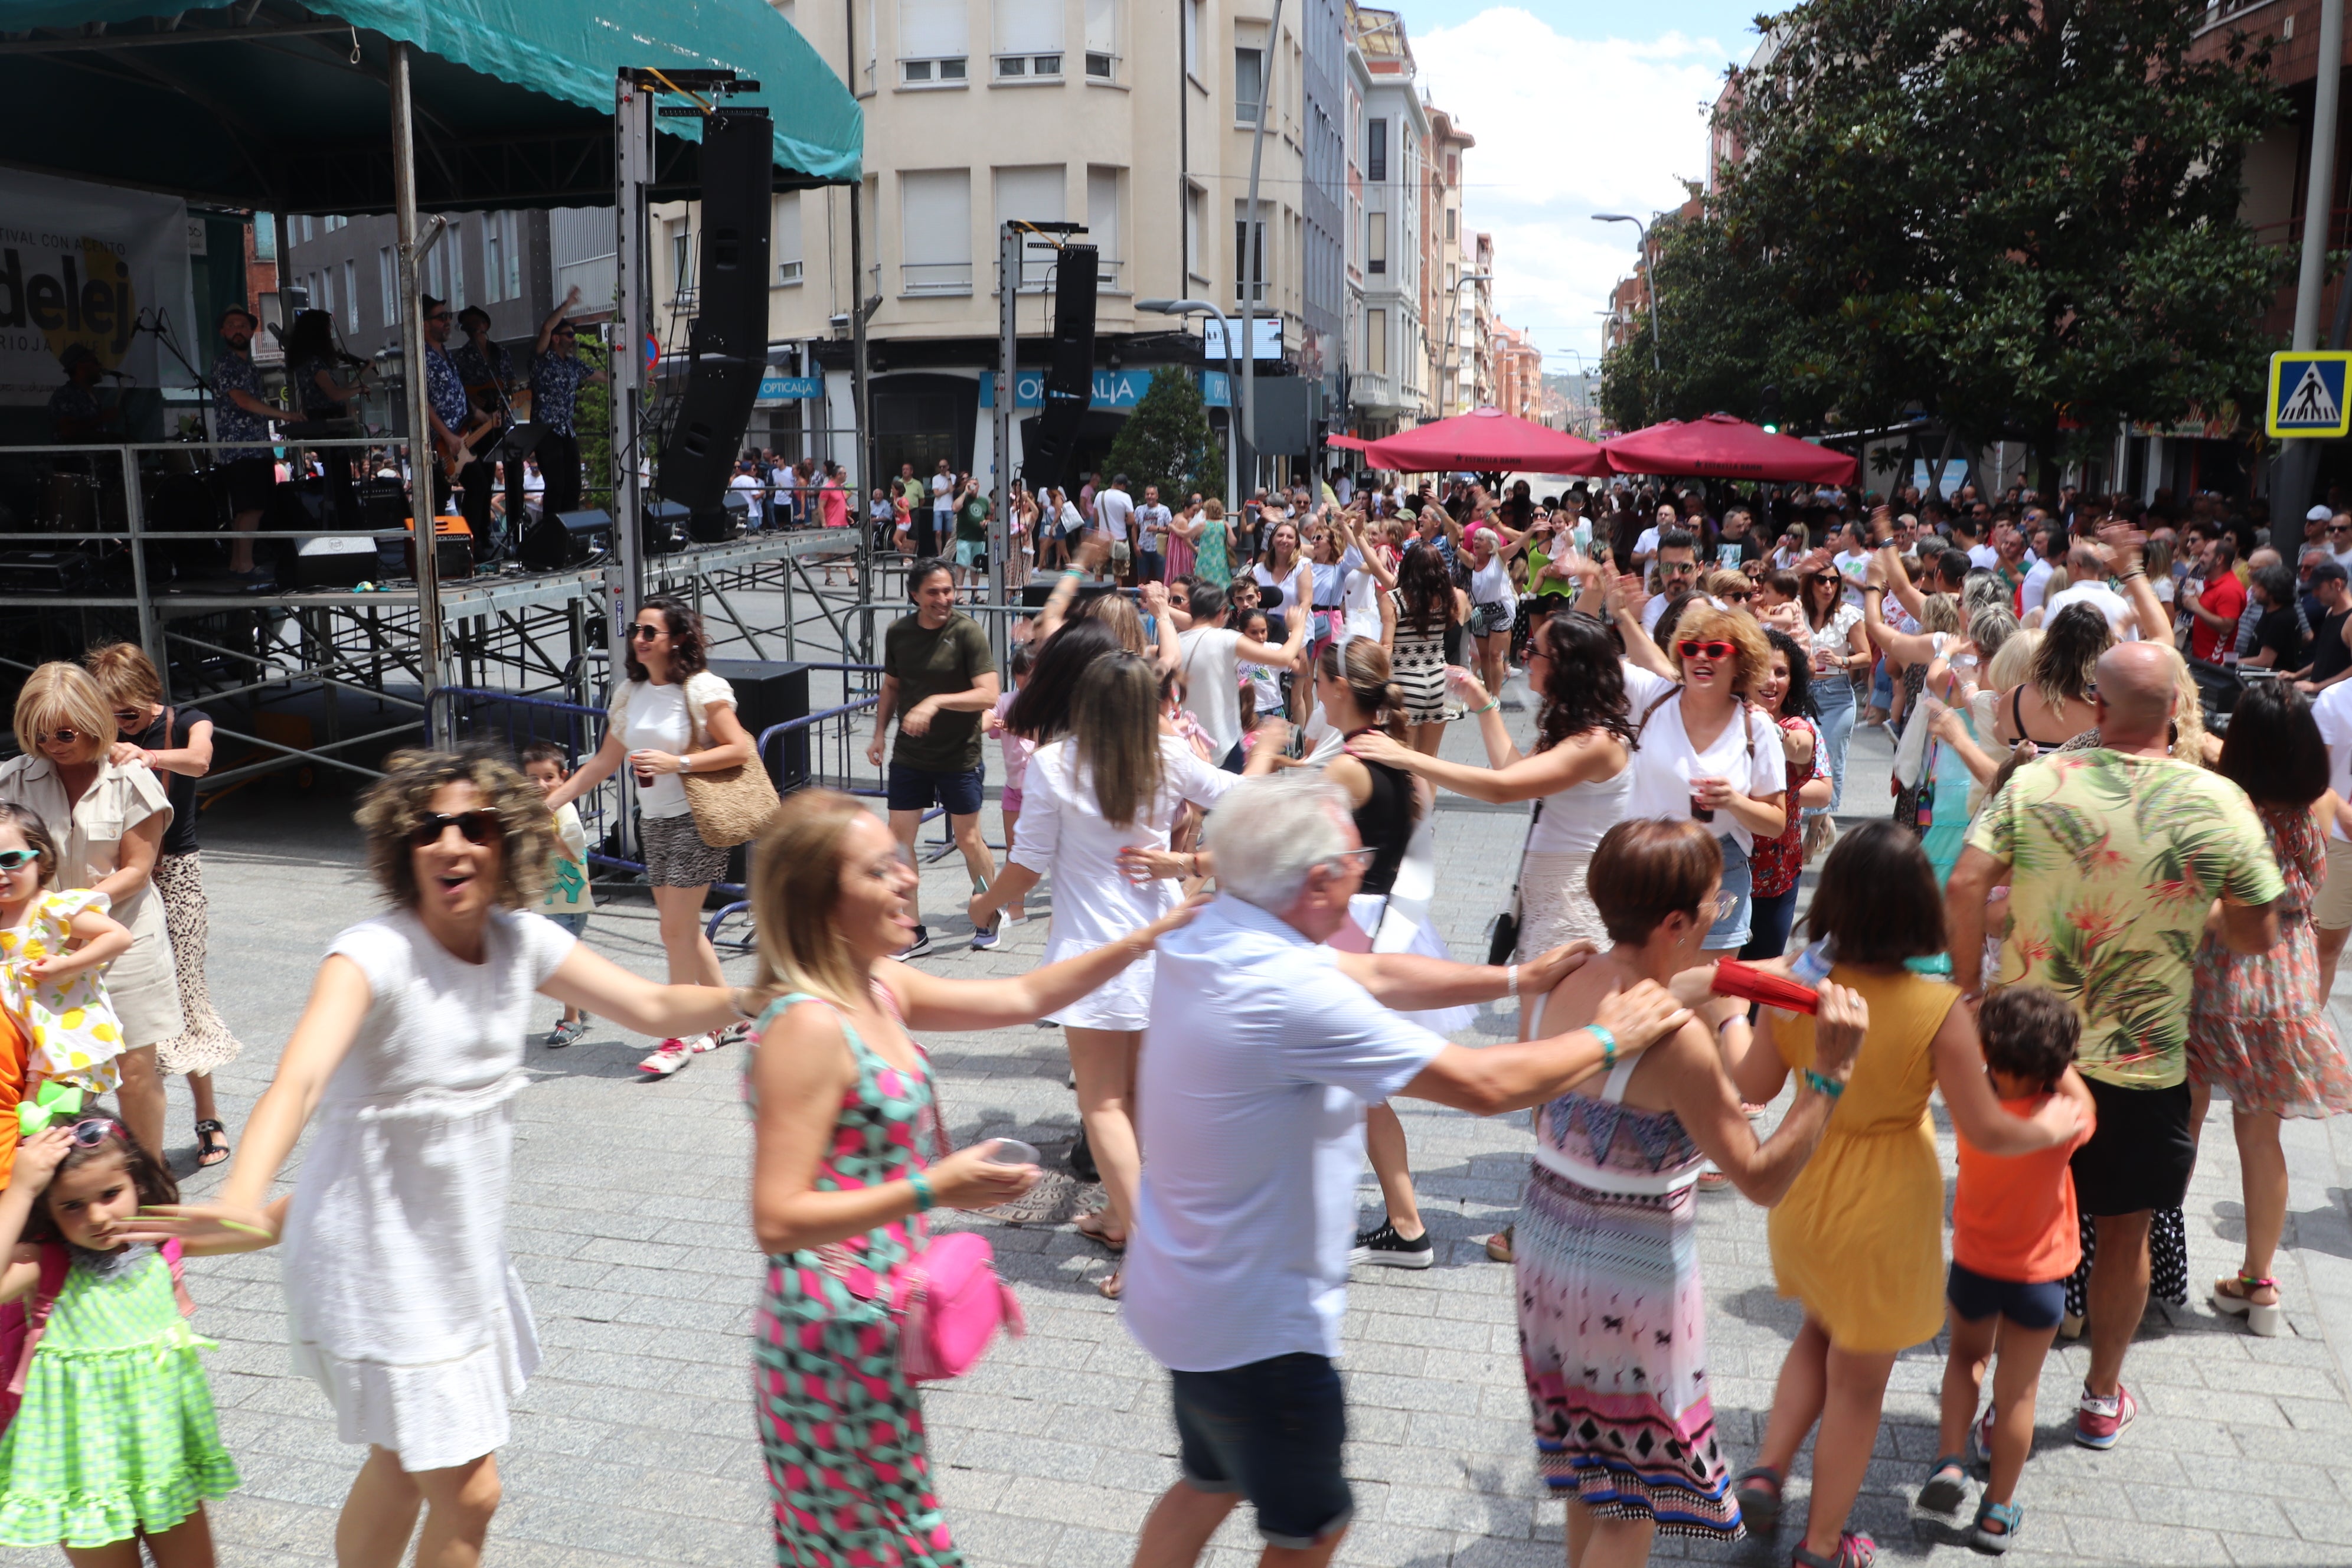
(1647, 545)
(1256, 1067)
(753, 494)
(2333, 711)
(1147, 518)
(1854, 565)
(942, 493)
(2100, 597)
(1747, 755)
(1113, 509)
(2036, 586)
(1985, 556)
(1209, 667)
(568, 893)
(650, 717)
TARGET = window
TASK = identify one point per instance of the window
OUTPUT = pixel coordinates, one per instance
(388, 277)
(1196, 225)
(1375, 149)
(455, 245)
(1192, 38)
(1028, 39)
(1033, 195)
(351, 296)
(1249, 252)
(934, 43)
(1249, 82)
(494, 257)
(787, 241)
(1376, 242)
(1102, 221)
(1102, 40)
(681, 256)
(935, 229)
(1376, 343)
(1454, 168)
(1453, 217)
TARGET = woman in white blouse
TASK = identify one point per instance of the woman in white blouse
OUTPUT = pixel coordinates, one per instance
(108, 822)
(1835, 634)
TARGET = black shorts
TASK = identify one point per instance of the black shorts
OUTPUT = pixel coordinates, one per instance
(1976, 1297)
(250, 481)
(2141, 1154)
(1272, 1431)
(919, 789)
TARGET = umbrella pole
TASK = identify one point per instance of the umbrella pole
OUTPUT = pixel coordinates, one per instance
(422, 456)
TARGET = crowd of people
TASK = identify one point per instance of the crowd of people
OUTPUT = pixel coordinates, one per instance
(2100, 896)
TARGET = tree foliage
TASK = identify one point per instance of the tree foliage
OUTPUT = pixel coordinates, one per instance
(2018, 215)
(1166, 440)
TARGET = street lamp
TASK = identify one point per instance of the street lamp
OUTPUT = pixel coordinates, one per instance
(1453, 314)
(1232, 381)
(1643, 231)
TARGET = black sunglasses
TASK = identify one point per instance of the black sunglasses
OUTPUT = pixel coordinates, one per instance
(474, 827)
(647, 633)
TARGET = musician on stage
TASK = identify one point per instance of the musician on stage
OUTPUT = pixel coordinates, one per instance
(487, 372)
(556, 376)
(240, 413)
(74, 412)
(313, 364)
(455, 426)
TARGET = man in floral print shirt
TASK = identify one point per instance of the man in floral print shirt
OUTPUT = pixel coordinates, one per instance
(2117, 856)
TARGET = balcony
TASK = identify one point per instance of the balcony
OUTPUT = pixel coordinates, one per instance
(935, 277)
(1037, 276)
(1369, 390)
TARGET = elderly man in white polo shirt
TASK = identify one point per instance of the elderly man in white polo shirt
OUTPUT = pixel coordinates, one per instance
(1263, 1047)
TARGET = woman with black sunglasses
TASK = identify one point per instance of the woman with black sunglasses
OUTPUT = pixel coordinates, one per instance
(403, 1304)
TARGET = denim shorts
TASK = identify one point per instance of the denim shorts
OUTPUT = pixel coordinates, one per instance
(1976, 1298)
(1270, 1430)
(1733, 927)
(574, 920)
(919, 789)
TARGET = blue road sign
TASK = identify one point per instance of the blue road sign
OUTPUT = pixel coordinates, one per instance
(2307, 393)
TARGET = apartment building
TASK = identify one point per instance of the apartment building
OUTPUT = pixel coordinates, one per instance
(503, 262)
(1450, 348)
(1133, 118)
(1388, 384)
(1518, 373)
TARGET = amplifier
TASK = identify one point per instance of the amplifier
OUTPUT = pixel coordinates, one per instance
(384, 503)
(452, 549)
(58, 572)
(333, 561)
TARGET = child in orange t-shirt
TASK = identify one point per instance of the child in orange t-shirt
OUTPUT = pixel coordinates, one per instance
(2015, 1241)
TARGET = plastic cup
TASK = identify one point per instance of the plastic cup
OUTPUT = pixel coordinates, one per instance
(1011, 1151)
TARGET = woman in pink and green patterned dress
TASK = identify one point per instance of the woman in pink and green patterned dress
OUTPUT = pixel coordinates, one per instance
(849, 1157)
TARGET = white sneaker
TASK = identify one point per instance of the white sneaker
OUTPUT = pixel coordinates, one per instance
(671, 1056)
(733, 1034)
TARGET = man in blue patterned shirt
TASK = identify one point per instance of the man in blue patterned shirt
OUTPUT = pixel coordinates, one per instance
(556, 377)
(240, 413)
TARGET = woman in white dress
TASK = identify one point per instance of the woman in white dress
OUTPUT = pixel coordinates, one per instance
(108, 820)
(1116, 781)
(400, 1298)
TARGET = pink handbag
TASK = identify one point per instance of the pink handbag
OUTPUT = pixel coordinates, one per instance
(947, 1297)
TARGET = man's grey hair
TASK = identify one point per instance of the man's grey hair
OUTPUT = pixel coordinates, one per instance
(1268, 833)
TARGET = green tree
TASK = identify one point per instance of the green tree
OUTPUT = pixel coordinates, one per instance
(2018, 215)
(1167, 441)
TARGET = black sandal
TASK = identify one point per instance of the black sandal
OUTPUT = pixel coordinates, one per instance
(212, 1144)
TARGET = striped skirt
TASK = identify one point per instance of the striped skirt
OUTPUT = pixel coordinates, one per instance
(1612, 1337)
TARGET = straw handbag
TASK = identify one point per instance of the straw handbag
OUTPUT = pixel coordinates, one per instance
(730, 805)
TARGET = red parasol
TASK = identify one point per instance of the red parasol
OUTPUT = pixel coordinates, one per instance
(1720, 446)
(1350, 443)
(1487, 440)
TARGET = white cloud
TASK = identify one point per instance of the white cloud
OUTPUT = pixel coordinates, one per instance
(1567, 127)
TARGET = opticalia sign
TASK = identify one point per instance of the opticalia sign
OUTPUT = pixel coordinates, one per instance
(1114, 390)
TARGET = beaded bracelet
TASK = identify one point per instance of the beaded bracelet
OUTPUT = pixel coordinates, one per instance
(1821, 1085)
(924, 1201)
(1608, 1044)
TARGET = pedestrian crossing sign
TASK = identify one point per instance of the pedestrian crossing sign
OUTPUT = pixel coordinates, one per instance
(2307, 393)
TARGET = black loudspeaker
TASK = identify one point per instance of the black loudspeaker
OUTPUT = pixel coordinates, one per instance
(384, 503)
(767, 693)
(730, 518)
(1070, 373)
(561, 539)
(665, 527)
(334, 560)
(730, 340)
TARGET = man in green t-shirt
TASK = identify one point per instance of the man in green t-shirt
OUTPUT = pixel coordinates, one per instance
(918, 492)
(938, 677)
(971, 515)
(2114, 856)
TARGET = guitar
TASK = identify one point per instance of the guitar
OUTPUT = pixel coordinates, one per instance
(482, 435)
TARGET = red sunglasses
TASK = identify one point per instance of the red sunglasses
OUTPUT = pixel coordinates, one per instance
(1690, 648)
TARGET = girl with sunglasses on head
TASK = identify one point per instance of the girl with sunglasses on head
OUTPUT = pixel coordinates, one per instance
(108, 820)
(115, 1441)
(403, 1304)
(54, 949)
(672, 718)
(1833, 632)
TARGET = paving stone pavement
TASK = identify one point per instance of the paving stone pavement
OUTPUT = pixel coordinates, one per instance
(634, 1443)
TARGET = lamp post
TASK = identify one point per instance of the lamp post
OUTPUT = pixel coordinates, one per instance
(1454, 317)
(1232, 381)
(1642, 230)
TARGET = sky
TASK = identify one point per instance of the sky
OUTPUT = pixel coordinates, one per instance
(1601, 108)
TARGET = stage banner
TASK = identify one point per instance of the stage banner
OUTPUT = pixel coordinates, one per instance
(84, 264)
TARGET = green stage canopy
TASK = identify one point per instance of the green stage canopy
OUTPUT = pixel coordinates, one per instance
(282, 108)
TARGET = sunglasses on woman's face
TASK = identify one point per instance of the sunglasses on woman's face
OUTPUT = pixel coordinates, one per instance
(644, 633)
(475, 826)
(127, 717)
(60, 737)
(1692, 649)
(16, 859)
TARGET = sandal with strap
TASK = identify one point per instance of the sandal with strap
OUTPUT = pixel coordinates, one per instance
(1854, 1550)
(212, 1144)
(1758, 1492)
(2007, 1515)
(1099, 1231)
(2266, 1319)
(1948, 1485)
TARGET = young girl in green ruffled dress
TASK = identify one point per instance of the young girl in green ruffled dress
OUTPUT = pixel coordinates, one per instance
(115, 1440)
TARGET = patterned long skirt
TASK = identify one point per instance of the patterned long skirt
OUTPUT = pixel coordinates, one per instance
(203, 1043)
(1613, 1338)
(841, 1430)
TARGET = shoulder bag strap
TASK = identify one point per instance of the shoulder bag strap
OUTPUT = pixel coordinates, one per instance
(55, 1263)
(1643, 723)
(1519, 875)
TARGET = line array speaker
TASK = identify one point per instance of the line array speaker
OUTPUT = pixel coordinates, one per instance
(1070, 373)
(729, 342)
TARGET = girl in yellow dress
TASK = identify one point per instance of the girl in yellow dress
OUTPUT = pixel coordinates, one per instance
(54, 949)
(1858, 1240)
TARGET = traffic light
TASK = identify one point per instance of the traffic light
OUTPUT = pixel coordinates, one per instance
(1768, 410)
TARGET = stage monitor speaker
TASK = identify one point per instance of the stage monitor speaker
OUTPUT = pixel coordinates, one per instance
(729, 343)
(1069, 371)
(730, 518)
(334, 560)
(452, 549)
(46, 571)
(562, 538)
(665, 527)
